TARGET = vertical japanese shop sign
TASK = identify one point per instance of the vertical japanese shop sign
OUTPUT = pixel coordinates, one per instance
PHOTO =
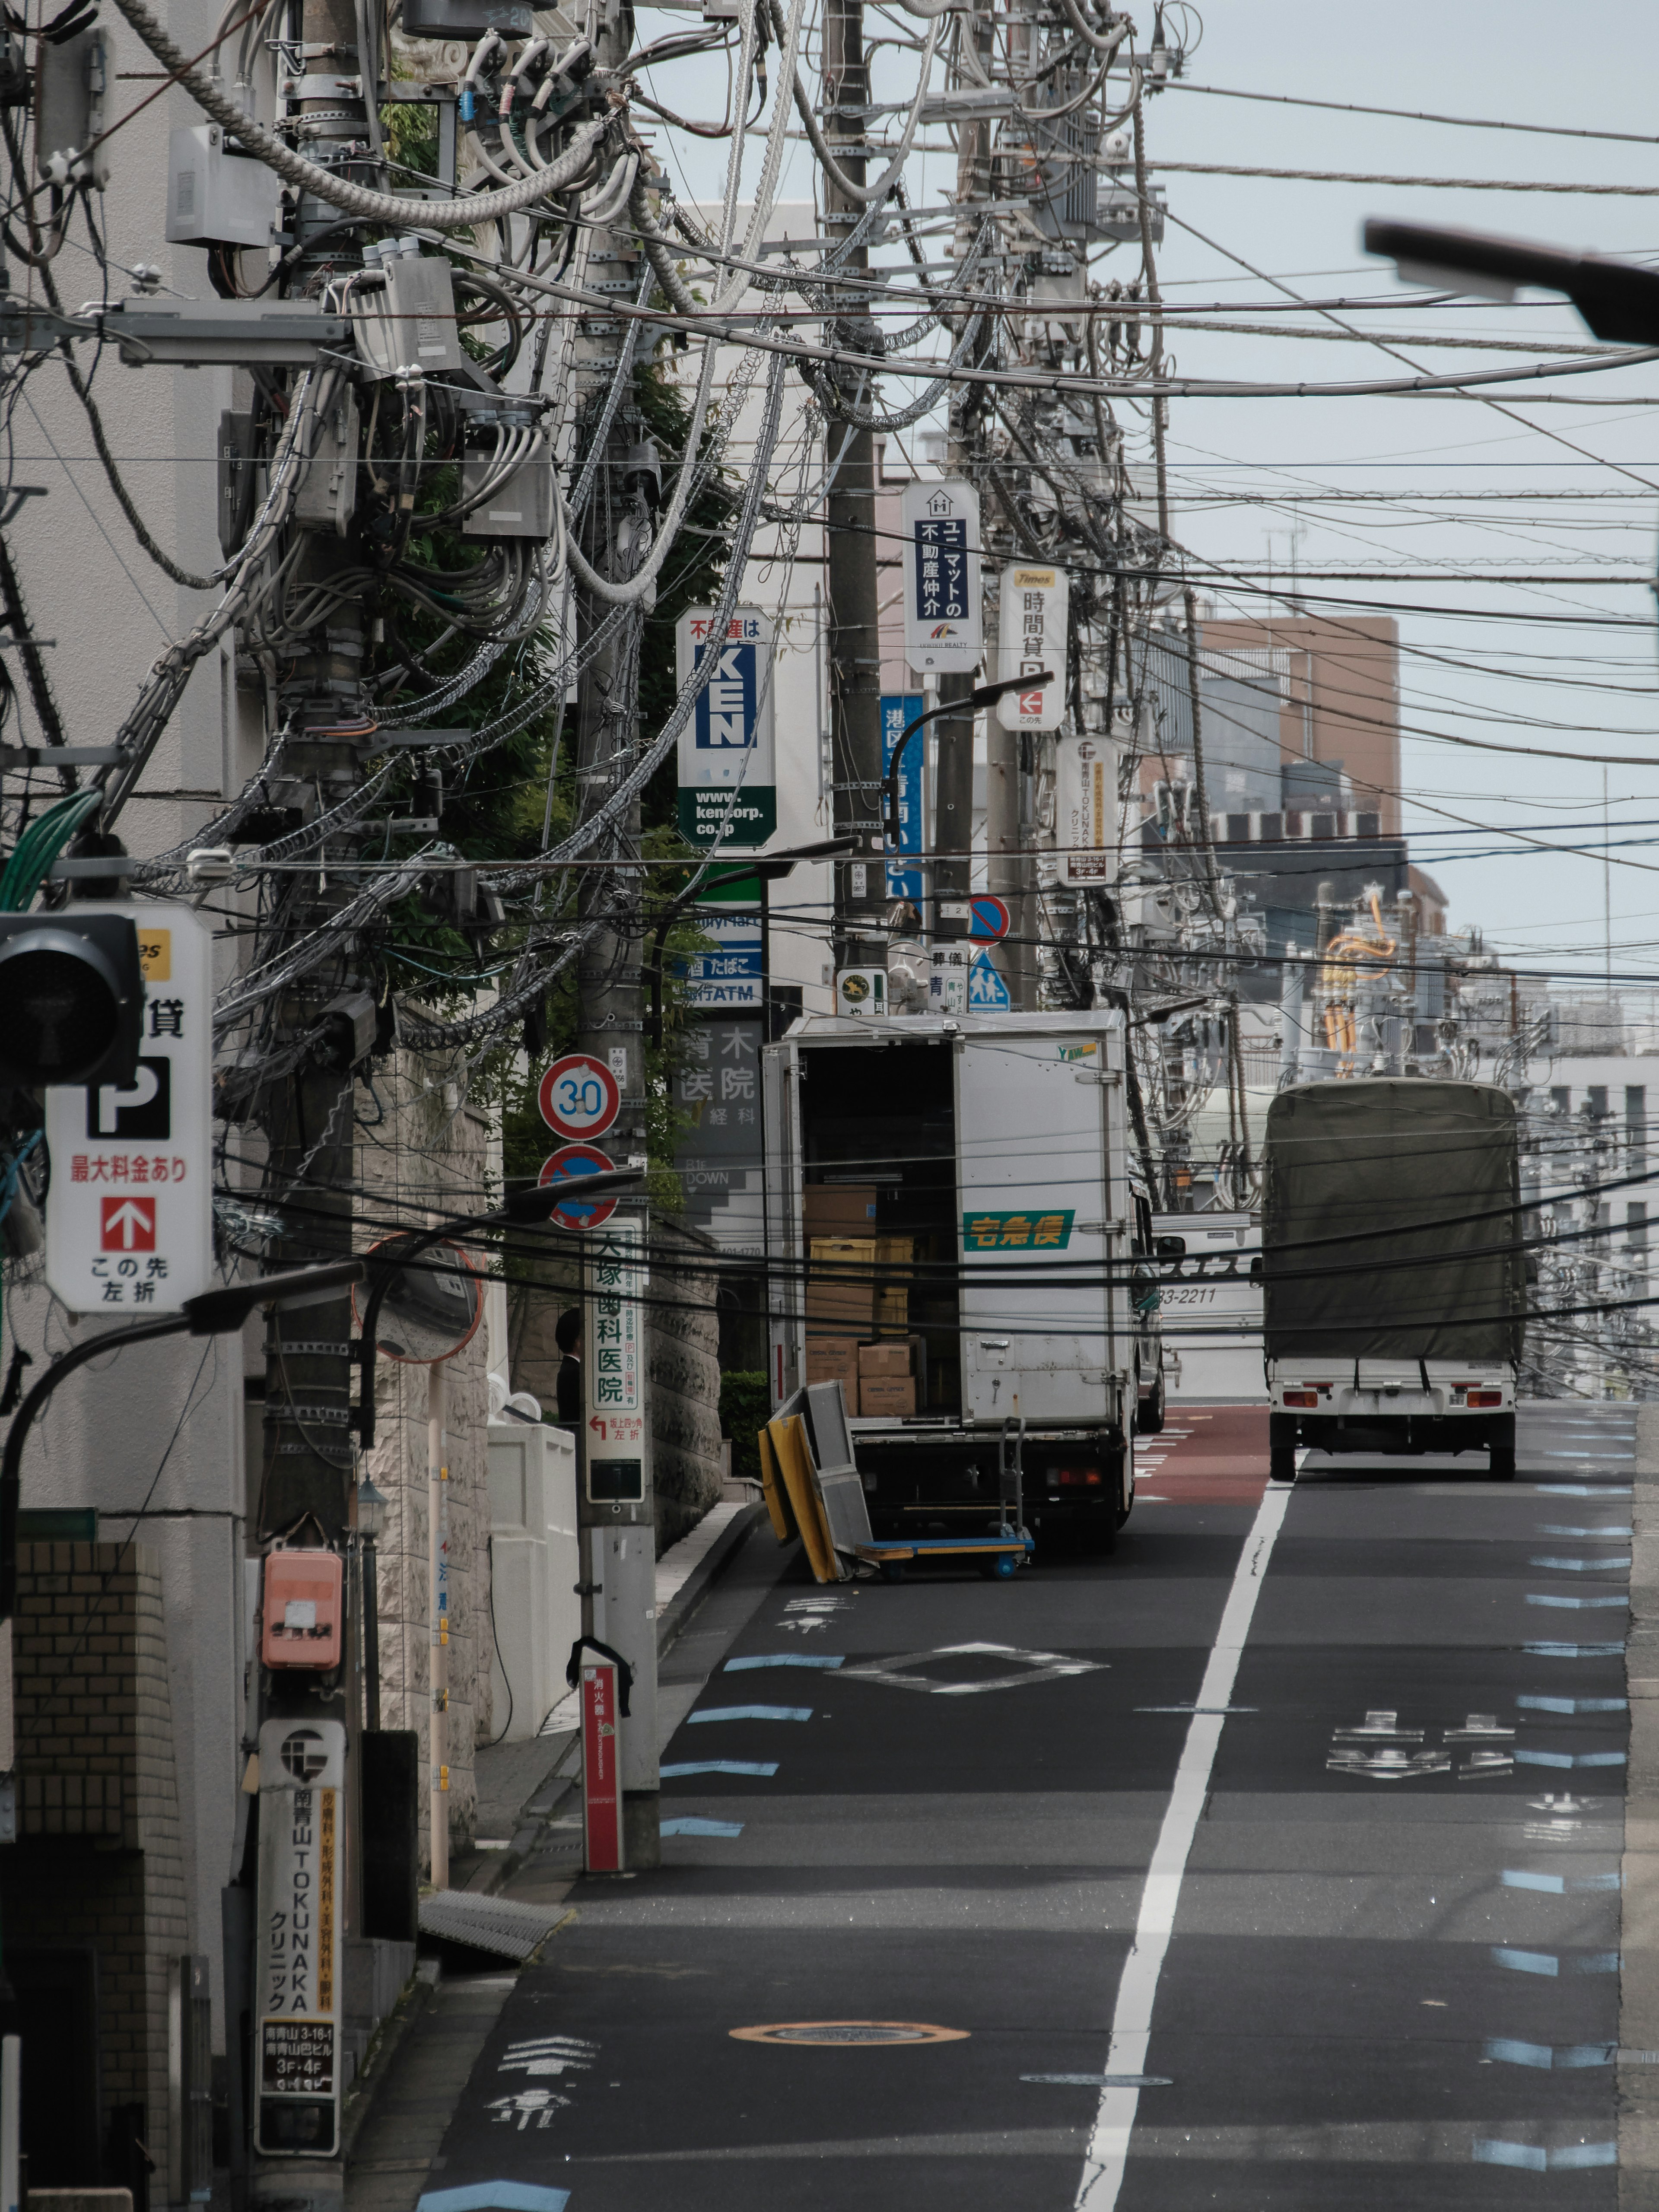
(298, 1988)
(614, 1365)
(728, 778)
(1030, 637)
(130, 1221)
(1085, 809)
(602, 1790)
(944, 620)
(898, 710)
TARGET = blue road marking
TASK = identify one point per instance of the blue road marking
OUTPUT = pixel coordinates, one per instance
(784, 1659)
(1488, 2152)
(495, 2196)
(1574, 1651)
(1597, 1962)
(1574, 1704)
(1598, 1491)
(1527, 1962)
(751, 1713)
(693, 1827)
(1575, 1604)
(1570, 1759)
(1558, 1884)
(1503, 2051)
(1568, 1529)
(1578, 1566)
(1508, 2153)
(763, 1766)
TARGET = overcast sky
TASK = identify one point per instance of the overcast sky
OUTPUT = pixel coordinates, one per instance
(1538, 664)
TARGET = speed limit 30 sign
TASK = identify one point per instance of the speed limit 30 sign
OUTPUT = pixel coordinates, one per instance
(579, 1096)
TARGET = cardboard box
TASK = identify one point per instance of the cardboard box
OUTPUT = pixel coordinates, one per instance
(835, 1360)
(839, 1209)
(885, 1359)
(892, 1397)
(846, 1299)
(893, 1298)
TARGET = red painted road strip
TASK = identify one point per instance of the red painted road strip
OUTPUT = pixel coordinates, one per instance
(1223, 1462)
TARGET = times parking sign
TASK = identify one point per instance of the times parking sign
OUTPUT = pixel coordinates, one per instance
(727, 771)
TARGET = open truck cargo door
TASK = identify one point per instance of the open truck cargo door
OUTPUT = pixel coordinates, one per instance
(1039, 1123)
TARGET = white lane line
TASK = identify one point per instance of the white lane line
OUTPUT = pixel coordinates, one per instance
(1137, 1991)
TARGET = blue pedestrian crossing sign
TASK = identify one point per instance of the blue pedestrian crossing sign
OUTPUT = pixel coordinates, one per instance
(987, 991)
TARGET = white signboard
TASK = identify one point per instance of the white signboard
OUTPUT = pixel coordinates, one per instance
(613, 1363)
(730, 975)
(1031, 636)
(130, 1219)
(1085, 809)
(297, 1992)
(727, 759)
(944, 618)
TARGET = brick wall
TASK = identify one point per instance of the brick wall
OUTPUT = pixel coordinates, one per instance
(98, 1857)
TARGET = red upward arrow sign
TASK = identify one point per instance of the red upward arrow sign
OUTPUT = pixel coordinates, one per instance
(128, 1224)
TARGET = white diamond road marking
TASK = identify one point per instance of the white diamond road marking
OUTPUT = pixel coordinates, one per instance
(1030, 1666)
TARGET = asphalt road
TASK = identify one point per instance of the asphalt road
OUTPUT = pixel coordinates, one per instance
(1271, 1955)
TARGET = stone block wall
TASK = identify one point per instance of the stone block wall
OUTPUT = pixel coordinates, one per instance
(98, 1858)
(428, 1158)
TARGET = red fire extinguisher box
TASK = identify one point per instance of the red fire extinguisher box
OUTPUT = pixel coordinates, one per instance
(304, 1603)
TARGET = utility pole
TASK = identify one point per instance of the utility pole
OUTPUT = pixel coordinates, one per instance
(618, 1533)
(953, 806)
(854, 644)
(306, 1489)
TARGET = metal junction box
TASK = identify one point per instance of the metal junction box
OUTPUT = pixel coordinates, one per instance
(411, 323)
(303, 1606)
(217, 194)
(520, 508)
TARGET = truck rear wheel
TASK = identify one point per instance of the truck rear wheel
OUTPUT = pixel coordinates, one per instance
(1281, 1462)
(1500, 1461)
(1149, 1417)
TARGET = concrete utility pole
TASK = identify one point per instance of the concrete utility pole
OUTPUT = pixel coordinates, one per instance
(953, 804)
(307, 1485)
(854, 646)
(618, 1534)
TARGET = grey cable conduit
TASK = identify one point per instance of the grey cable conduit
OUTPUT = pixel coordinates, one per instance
(355, 199)
(866, 195)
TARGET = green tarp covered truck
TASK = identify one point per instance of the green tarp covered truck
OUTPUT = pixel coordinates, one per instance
(1394, 1281)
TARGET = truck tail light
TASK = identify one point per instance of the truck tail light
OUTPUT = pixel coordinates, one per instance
(1301, 1397)
(1077, 1478)
(1485, 1398)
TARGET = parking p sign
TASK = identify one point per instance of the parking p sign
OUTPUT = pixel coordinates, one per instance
(129, 1217)
(728, 777)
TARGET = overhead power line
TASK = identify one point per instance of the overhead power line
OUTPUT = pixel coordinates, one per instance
(1415, 115)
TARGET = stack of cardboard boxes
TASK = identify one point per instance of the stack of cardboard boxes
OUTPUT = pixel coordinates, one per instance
(849, 1302)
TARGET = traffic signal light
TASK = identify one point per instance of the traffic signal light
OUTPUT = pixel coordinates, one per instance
(73, 993)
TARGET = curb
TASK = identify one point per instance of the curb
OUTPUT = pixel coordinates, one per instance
(1638, 1985)
(367, 2084)
(692, 1591)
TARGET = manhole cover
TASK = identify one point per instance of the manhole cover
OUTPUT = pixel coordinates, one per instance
(850, 2032)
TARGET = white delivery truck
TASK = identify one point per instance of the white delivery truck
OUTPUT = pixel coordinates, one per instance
(955, 1232)
(1393, 1268)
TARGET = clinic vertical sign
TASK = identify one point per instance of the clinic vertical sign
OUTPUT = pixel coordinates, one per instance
(298, 1994)
(613, 1367)
(944, 619)
(728, 780)
(1086, 809)
(130, 1227)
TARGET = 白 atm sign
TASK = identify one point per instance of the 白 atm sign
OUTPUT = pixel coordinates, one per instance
(728, 791)
(129, 1215)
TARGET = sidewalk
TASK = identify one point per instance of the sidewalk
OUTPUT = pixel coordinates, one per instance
(530, 1801)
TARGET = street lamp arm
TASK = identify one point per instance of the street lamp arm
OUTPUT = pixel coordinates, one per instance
(985, 695)
(212, 1314)
(535, 1204)
(1619, 299)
